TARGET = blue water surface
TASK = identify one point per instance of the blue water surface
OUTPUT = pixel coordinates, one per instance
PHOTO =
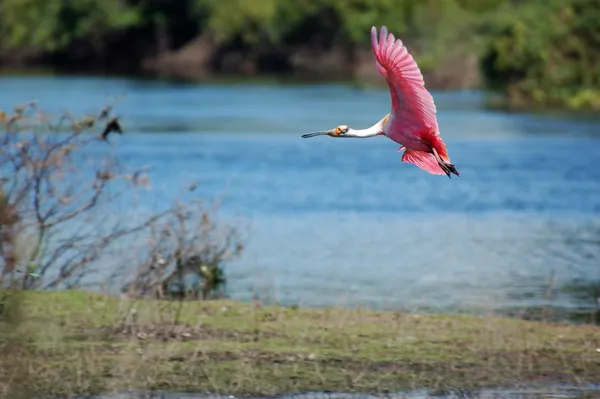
(345, 222)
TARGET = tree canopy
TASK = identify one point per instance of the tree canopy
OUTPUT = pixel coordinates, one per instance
(538, 52)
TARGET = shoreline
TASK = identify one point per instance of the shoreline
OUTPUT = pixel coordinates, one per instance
(73, 342)
(193, 63)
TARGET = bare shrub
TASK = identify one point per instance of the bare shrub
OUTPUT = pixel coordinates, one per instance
(59, 181)
(185, 244)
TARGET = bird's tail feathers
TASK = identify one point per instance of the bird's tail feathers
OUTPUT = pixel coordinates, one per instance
(440, 152)
(436, 143)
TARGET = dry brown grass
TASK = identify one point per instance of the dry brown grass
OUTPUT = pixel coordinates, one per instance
(74, 342)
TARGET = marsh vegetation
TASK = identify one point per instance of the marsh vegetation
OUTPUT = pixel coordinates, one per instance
(71, 342)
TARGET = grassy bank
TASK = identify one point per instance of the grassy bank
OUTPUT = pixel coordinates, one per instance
(75, 342)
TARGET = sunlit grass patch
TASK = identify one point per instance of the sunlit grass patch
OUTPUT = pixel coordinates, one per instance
(78, 342)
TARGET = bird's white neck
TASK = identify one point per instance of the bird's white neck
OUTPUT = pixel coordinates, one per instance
(372, 131)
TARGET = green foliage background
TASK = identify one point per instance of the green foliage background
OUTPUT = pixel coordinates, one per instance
(537, 52)
(546, 54)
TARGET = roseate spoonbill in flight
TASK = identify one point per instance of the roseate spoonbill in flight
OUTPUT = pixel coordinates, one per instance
(412, 123)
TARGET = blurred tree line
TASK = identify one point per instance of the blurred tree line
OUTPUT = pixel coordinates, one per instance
(538, 52)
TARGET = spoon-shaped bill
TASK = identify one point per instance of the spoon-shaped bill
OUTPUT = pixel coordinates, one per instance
(314, 134)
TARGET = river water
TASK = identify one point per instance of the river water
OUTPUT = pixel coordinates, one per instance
(344, 222)
(550, 392)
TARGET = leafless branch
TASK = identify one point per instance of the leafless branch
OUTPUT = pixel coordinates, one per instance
(58, 183)
(51, 183)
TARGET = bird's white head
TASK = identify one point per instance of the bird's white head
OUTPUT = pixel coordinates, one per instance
(344, 131)
(339, 131)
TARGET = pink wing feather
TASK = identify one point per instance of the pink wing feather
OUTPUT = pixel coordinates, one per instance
(424, 160)
(411, 102)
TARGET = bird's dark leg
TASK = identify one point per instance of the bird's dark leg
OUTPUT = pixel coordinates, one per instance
(446, 166)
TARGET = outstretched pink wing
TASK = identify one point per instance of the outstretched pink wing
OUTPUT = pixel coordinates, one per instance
(412, 104)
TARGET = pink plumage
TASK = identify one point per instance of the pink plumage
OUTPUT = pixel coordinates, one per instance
(423, 160)
(413, 122)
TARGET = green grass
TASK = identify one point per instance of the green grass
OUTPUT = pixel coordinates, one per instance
(74, 342)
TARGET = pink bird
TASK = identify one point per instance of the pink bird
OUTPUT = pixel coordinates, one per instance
(412, 122)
